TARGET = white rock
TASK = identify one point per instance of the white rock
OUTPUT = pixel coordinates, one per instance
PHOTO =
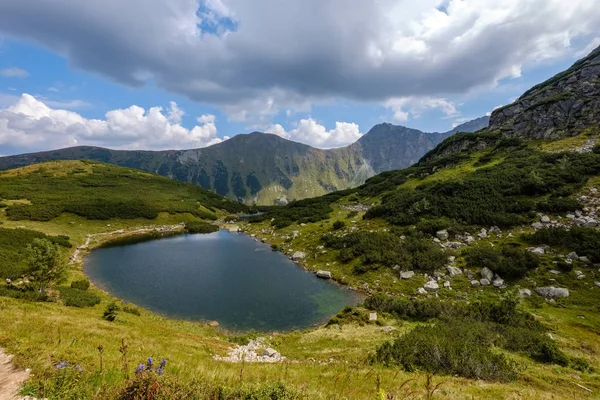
(324, 274)
(597, 284)
(299, 255)
(484, 282)
(498, 282)
(545, 219)
(572, 256)
(577, 272)
(373, 316)
(475, 283)
(447, 284)
(487, 273)
(407, 274)
(552, 292)
(537, 225)
(483, 233)
(421, 291)
(451, 259)
(525, 293)
(537, 250)
(388, 329)
(431, 286)
(585, 260)
(442, 235)
(555, 272)
(453, 271)
(580, 277)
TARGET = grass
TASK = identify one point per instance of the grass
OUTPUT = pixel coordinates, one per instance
(328, 362)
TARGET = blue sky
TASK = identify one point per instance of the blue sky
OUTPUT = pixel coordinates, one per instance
(305, 80)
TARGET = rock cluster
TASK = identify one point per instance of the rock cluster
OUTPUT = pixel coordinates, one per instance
(256, 351)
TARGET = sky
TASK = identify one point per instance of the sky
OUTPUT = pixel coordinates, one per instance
(176, 74)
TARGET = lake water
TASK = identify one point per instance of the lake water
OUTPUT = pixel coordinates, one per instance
(221, 276)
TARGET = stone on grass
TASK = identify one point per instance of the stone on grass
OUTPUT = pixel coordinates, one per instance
(421, 291)
(572, 256)
(555, 272)
(525, 293)
(484, 282)
(475, 283)
(324, 274)
(545, 219)
(487, 273)
(453, 271)
(373, 316)
(407, 274)
(442, 235)
(552, 292)
(447, 284)
(597, 284)
(388, 329)
(431, 286)
(537, 251)
(498, 282)
(299, 255)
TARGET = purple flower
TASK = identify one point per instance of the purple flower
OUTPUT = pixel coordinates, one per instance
(161, 367)
(78, 368)
(149, 364)
(139, 369)
(62, 365)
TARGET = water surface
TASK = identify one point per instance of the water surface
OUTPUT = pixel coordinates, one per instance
(226, 277)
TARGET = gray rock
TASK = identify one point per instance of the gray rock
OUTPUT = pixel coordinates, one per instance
(447, 284)
(585, 260)
(299, 255)
(537, 250)
(421, 291)
(451, 259)
(484, 282)
(324, 274)
(552, 292)
(269, 352)
(498, 282)
(581, 277)
(545, 219)
(475, 283)
(555, 272)
(388, 329)
(483, 233)
(442, 235)
(577, 272)
(453, 271)
(572, 256)
(431, 286)
(537, 225)
(373, 316)
(487, 273)
(525, 293)
(407, 274)
(597, 284)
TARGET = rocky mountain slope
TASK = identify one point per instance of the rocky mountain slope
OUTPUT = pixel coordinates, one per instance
(266, 169)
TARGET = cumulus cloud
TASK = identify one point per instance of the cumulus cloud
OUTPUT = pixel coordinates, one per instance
(263, 56)
(29, 124)
(14, 73)
(311, 132)
(404, 107)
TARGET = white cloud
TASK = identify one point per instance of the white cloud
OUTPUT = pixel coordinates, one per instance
(14, 73)
(256, 58)
(406, 107)
(311, 132)
(30, 124)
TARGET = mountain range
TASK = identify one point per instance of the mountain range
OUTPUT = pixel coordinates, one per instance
(265, 169)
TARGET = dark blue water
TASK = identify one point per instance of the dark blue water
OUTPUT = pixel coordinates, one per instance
(221, 276)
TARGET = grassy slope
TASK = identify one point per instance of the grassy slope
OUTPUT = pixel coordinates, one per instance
(331, 361)
(574, 321)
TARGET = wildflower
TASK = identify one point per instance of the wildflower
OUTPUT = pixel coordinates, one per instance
(78, 368)
(161, 366)
(149, 365)
(139, 369)
(62, 365)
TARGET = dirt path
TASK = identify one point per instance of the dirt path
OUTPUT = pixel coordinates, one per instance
(11, 378)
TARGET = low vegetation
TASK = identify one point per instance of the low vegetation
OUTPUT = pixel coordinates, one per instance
(200, 227)
(510, 262)
(583, 241)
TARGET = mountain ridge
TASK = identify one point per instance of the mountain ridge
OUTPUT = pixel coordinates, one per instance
(264, 168)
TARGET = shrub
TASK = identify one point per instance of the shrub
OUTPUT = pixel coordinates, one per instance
(508, 262)
(559, 205)
(584, 241)
(461, 348)
(111, 312)
(352, 214)
(132, 310)
(3, 205)
(78, 298)
(337, 225)
(82, 284)
(200, 227)
(27, 293)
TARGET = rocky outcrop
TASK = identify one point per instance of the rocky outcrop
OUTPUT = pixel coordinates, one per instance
(564, 104)
(552, 292)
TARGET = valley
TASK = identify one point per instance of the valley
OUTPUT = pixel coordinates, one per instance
(479, 263)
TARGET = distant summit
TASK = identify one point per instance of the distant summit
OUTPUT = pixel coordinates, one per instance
(267, 169)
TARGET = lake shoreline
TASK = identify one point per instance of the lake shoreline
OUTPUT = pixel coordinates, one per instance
(153, 233)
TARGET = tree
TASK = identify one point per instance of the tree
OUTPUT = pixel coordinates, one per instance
(45, 263)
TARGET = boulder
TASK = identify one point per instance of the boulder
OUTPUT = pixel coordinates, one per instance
(537, 225)
(597, 284)
(442, 235)
(572, 256)
(475, 283)
(299, 255)
(487, 273)
(585, 260)
(447, 284)
(213, 324)
(537, 251)
(453, 271)
(483, 233)
(407, 274)
(269, 352)
(577, 272)
(421, 291)
(552, 292)
(431, 286)
(498, 282)
(581, 277)
(451, 259)
(484, 282)
(545, 219)
(525, 293)
(324, 274)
